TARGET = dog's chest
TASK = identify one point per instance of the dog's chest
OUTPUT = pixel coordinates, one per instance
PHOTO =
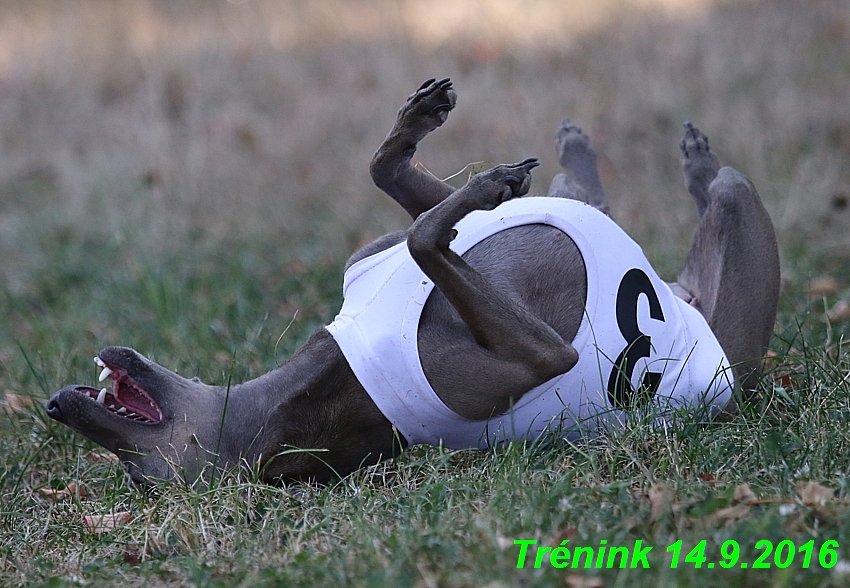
(636, 340)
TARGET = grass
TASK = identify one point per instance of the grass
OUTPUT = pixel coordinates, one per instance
(187, 182)
(431, 517)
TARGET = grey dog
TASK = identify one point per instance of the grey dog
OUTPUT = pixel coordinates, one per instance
(495, 324)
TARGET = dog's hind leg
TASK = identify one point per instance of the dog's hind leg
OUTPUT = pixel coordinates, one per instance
(581, 178)
(732, 271)
(511, 350)
(391, 169)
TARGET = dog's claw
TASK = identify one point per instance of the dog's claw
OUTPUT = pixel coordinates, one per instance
(693, 141)
(432, 86)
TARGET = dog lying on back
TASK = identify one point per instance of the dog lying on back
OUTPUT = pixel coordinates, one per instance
(493, 317)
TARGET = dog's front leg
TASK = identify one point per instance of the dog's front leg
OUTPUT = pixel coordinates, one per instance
(391, 168)
(516, 350)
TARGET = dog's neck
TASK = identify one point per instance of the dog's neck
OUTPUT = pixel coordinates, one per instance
(306, 419)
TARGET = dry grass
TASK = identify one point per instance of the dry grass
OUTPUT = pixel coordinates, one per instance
(162, 118)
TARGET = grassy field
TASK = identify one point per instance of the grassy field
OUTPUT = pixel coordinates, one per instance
(188, 179)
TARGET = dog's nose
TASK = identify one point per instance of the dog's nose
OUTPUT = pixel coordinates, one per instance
(54, 411)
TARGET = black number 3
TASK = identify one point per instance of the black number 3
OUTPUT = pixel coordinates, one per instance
(620, 391)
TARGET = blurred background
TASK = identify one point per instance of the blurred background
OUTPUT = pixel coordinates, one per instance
(142, 130)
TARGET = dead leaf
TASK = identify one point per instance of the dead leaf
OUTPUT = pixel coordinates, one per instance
(132, 556)
(564, 534)
(661, 496)
(839, 312)
(578, 581)
(744, 494)
(731, 513)
(823, 286)
(53, 494)
(67, 492)
(813, 494)
(770, 358)
(103, 457)
(784, 381)
(707, 478)
(504, 542)
(105, 523)
(16, 403)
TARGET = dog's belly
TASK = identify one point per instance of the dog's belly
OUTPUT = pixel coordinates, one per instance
(538, 266)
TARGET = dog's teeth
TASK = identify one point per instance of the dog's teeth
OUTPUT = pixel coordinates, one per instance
(111, 407)
(101, 396)
(104, 374)
(99, 362)
(122, 410)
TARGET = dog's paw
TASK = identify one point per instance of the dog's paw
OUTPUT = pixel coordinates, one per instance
(699, 163)
(694, 143)
(572, 146)
(428, 107)
(504, 182)
(695, 151)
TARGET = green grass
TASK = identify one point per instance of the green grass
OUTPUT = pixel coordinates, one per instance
(429, 518)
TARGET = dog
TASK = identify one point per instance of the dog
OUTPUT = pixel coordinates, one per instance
(494, 317)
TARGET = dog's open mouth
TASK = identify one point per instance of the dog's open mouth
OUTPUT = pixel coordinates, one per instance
(126, 399)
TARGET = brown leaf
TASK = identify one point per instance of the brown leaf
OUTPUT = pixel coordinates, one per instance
(67, 492)
(661, 496)
(707, 478)
(105, 523)
(813, 494)
(132, 556)
(823, 286)
(731, 513)
(839, 312)
(16, 403)
(578, 581)
(103, 457)
(785, 381)
(566, 533)
(744, 494)
(770, 359)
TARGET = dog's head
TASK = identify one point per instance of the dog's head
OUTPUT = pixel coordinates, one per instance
(160, 424)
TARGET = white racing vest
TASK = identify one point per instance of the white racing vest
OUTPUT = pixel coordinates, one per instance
(636, 335)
